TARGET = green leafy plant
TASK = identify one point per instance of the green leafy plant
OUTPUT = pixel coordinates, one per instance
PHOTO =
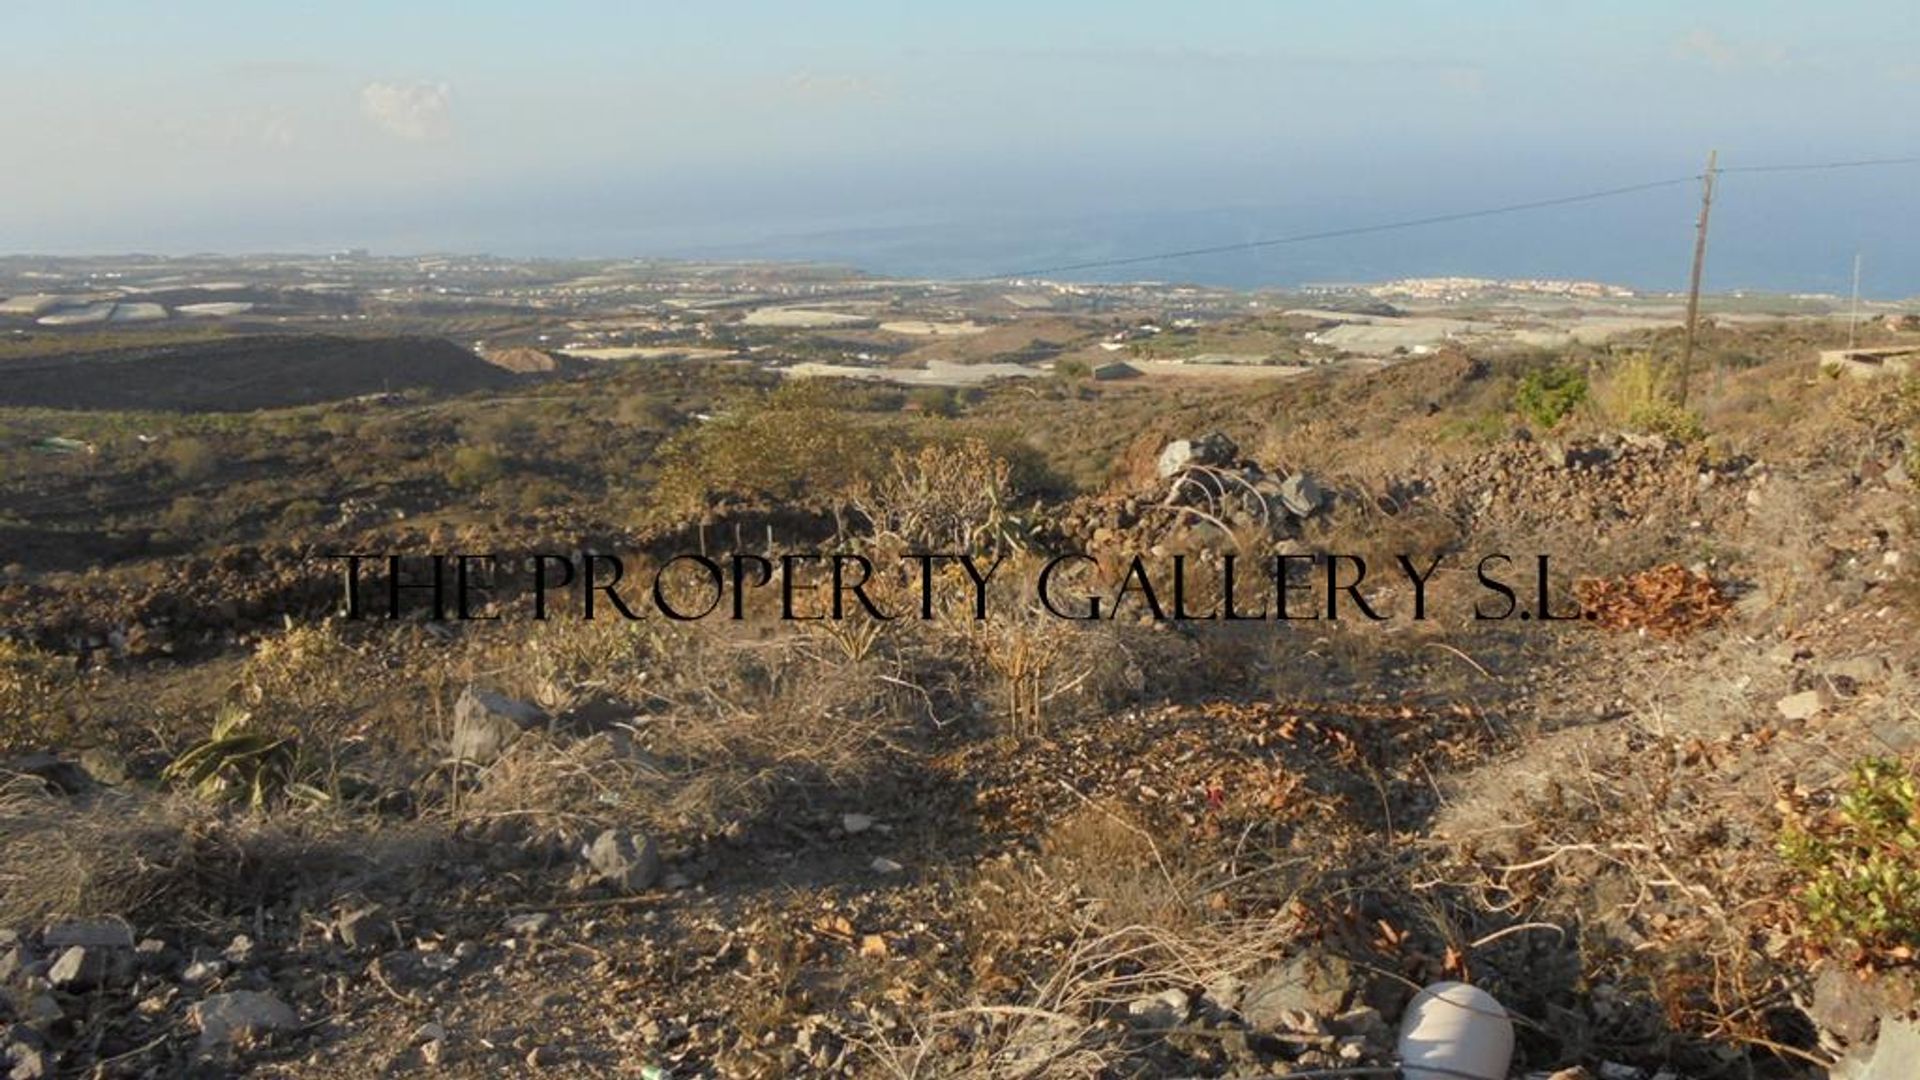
(1859, 864)
(238, 762)
(1547, 395)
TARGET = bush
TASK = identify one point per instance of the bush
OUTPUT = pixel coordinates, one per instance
(187, 514)
(189, 459)
(475, 466)
(1859, 863)
(945, 498)
(300, 514)
(793, 446)
(1639, 395)
(936, 400)
(1546, 396)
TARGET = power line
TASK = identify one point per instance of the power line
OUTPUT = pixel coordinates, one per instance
(1865, 163)
(1366, 230)
(1357, 230)
(1441, 219)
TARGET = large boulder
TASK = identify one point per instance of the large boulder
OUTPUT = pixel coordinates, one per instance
(484, 723)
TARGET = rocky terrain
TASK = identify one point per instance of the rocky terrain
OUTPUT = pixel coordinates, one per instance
(242, 837)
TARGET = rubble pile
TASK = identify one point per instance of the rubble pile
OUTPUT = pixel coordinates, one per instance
(1206, 497)
(1611, 478)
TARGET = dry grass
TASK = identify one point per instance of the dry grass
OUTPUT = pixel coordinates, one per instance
(1124, 916)
(171, 861)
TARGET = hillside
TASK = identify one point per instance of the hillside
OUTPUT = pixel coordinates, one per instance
(244, 373)
(1672, 837)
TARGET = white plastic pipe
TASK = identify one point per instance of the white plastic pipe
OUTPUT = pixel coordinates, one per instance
(1453, 1031)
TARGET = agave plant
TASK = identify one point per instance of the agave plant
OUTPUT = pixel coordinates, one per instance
(237, 761)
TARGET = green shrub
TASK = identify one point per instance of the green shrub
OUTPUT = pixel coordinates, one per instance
(1859, 865)
(1483, 429)
(936, 400)
(300, 513)
(475, 466)
(187, 514)
(796, 445)
(239, 763)
(189, 459)
(1638, 395)
(1546, 396)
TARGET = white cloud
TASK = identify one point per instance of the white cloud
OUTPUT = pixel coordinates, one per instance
(416, 110)
(1721, 54)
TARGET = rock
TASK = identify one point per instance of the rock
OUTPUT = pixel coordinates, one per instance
(855, 824)
(1314, 985)
(10, 963)
(1806, 704)
(531, 923)
(64, 777)
(629, 862)
(242, 1014)
(1223, 994)
(364, 928)
(105, 765)
(1167, 1009)
(429, 1032)
(41, 1009)
(27, 1062)
(542, 1057)
(1860, 671)
(1213, 450)
(1365, 1023)
(1301, 495)
(883, 865)
(203, 971)
(440, 963)
(78, 968)
(1847, 1007)
(484, 723)
(92, 933)
(1892, 1057)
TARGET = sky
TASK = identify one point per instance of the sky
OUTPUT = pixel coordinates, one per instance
(966, 138)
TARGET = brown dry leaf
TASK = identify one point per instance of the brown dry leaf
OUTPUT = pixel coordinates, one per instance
(1666, 601)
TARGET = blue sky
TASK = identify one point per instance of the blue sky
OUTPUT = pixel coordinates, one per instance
(578, 127)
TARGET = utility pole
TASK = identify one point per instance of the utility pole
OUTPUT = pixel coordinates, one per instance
(1853, 314)
(1699, 260)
